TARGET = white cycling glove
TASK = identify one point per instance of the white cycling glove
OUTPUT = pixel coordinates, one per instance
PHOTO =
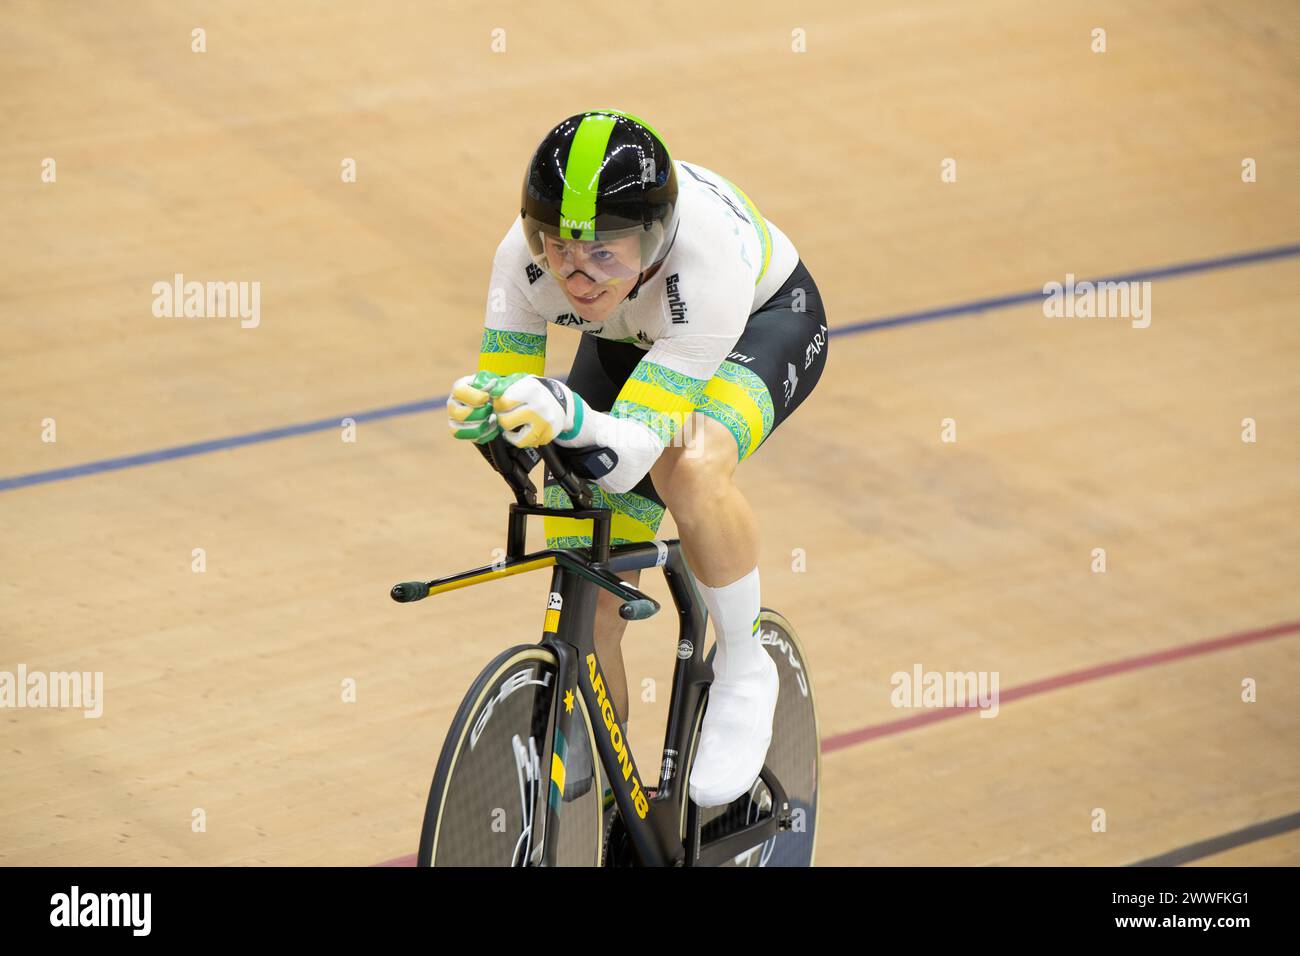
(532, 410)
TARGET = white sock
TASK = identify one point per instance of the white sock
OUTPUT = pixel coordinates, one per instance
(734, 609)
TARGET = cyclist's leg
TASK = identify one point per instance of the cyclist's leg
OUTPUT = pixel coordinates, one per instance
(717, 527)
(772, 368)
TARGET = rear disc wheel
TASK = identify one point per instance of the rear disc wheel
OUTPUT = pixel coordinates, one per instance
(794, 756)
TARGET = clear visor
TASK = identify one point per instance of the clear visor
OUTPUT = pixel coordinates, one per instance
(612, 258)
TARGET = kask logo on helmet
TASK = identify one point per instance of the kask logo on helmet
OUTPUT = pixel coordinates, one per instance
(576, 223)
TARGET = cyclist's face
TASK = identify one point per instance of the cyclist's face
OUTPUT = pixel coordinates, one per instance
(595, 276)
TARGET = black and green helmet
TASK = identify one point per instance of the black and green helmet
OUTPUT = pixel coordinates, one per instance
(601, 175)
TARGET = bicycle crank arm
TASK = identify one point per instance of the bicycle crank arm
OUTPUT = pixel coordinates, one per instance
(716, 850)
(719, 850)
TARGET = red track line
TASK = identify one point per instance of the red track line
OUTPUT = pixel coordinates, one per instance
(862, 734)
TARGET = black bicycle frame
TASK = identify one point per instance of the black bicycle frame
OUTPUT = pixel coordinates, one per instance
(654, 823)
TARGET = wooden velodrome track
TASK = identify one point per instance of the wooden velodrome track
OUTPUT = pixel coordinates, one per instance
(223, 688)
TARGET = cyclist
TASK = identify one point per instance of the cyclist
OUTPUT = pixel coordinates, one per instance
(702, 331)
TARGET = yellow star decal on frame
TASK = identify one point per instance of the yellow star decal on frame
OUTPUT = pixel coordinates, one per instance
(568, 701)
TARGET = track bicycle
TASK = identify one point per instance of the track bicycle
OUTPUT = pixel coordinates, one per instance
(516, 785)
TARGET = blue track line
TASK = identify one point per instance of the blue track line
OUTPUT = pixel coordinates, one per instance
(409, 408)
(1001, 302)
